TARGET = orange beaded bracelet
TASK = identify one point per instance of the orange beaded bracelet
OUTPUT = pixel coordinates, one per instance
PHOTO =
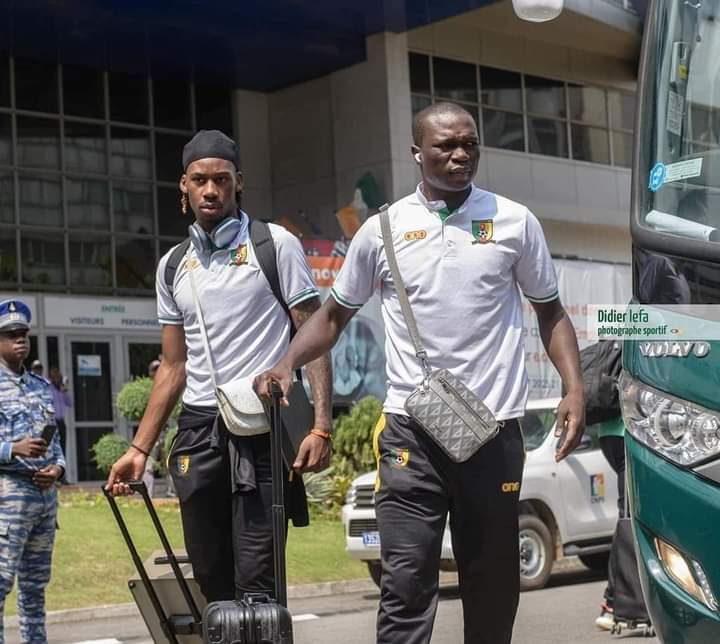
(321, 433)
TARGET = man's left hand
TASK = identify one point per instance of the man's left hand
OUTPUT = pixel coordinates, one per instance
(46, 477)
(570, 423)
(313, 454)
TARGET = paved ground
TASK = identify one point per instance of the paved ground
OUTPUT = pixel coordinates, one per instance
(562, 613)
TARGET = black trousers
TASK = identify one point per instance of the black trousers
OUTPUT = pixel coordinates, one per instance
(418, 487)
(613, 448)
(228, 535)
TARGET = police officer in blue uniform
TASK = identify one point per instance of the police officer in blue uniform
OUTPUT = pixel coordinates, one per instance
(29, 469)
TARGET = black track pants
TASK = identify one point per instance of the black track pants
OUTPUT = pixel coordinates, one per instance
(418, 487)
(613, 448)
(228, 536)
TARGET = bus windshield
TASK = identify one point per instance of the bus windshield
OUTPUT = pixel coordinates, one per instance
(679, 155)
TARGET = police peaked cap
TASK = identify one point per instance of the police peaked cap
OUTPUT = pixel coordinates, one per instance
(14, 315)
(210, 144)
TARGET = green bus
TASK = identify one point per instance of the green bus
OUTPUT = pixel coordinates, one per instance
(670, 389)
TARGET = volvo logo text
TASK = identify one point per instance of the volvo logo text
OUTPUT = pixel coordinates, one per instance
(674, 349)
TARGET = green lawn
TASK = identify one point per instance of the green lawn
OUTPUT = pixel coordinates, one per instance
(91, 563)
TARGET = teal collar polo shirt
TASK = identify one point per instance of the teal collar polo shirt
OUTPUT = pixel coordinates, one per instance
(464, 272)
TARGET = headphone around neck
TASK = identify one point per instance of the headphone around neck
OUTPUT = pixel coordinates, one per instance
(219, 237)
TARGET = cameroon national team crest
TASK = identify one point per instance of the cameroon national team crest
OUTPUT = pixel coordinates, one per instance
(182, 464)
(239, 256)
(399, 457)
(482, 231)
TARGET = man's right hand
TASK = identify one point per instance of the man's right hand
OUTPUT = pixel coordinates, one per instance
(29, 447)
(129, 467)
(280, 374)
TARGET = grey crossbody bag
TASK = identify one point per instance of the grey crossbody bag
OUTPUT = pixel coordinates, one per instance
(452, 415)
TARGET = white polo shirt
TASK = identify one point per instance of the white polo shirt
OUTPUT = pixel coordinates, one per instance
(463, 273)
(247, 328)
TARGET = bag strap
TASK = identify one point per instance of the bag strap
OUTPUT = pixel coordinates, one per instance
(264, 247)
(171, 268)
(405, 307)
(262, 241)
(203, 330)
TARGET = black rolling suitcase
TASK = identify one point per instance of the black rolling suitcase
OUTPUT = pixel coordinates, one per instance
(258, 618)
(159, 609)
(629, 611)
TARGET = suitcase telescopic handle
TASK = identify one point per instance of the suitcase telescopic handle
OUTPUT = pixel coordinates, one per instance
(141, 489)
(278, 504)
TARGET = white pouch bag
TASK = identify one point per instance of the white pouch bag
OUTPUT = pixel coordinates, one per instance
(241, 409)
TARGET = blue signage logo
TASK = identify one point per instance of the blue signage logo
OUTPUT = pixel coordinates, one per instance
(657, 176)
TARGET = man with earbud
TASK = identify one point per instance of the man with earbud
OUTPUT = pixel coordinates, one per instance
(465, 255)
(223, 480)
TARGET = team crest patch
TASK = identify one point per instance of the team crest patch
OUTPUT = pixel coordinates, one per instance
(239, 256)
(182, 464)
(414, 235)
(399, 457)
(190, 264)
(482, 231)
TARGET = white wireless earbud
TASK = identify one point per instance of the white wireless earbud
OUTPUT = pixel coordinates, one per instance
(418, 157)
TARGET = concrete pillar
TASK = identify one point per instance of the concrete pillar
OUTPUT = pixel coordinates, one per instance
(251, 114)
(372, 119)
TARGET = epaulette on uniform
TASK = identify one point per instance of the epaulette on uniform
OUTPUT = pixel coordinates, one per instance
(37, 378)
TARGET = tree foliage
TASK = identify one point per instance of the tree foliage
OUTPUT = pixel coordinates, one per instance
(133, 398)
(352, 438)
(108, 449)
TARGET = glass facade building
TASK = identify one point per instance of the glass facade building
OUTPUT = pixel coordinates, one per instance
(531, 114)
(89, 165)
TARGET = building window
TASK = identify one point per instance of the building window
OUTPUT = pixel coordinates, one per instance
(589, 124)
(502, 111)
(621, 111)
(528, 113)
(89, 168)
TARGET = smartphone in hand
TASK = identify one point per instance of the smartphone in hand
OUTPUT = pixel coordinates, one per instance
(48, 432)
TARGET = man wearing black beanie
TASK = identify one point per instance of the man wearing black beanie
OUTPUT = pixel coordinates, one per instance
(222, 322)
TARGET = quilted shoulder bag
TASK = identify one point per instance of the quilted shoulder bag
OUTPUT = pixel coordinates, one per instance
(239, 406)
(452, 415)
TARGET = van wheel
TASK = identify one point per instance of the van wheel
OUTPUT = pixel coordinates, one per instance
(597, 561)
(375, 570)
(536, 552)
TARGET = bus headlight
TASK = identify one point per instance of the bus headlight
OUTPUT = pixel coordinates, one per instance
(687, 573)
(681, 431)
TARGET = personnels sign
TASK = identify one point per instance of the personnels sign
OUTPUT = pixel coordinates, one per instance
(97, 313)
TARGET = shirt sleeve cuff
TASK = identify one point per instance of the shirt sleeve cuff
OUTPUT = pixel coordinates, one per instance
(5, 452)
(171, 321)
(301, 296)
(343, 301)
(540, 300)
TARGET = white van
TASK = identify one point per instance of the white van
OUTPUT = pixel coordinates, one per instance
(566, 508)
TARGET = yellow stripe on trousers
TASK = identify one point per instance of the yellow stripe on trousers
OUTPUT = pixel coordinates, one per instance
(379, 428)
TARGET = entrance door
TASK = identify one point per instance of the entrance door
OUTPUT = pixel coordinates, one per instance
(140, 354)
(92, 388)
